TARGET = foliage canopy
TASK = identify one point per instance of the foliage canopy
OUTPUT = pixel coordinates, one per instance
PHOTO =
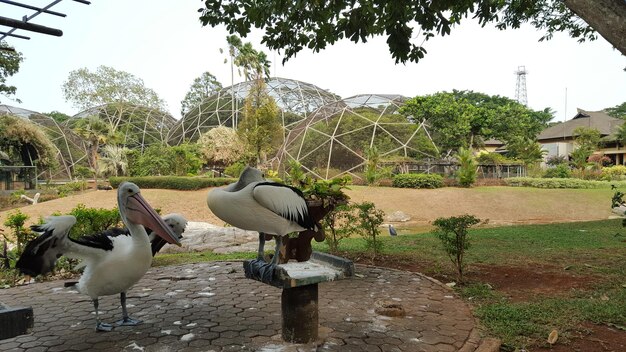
(202, 87)
(86, 89)
(293, 26)
(9, 65)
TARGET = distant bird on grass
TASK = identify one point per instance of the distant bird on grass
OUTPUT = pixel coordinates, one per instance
(114, 260)
(392, 230)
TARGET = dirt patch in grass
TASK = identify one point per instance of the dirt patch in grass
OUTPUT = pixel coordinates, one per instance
(524, 283)
(591, 338)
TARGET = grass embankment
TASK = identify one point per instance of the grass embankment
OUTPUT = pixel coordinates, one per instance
(592, 254)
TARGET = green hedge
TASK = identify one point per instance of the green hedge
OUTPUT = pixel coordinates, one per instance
(417, 181)
(173, 182)
(560, 183)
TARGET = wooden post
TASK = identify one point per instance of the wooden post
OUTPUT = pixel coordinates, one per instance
(300, 314)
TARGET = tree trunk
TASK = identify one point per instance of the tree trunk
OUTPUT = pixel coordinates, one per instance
(607, 17)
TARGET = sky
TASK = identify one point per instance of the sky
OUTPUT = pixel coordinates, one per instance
(164, 43)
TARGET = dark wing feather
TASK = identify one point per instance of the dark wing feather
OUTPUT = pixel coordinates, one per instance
(40, 254)
(101, 240)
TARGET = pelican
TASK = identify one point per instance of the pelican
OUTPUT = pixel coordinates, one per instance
(114, 260)
(176, 222)
(255, 204)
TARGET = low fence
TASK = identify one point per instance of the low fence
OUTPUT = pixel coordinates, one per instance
(18, 177)
(450, 169)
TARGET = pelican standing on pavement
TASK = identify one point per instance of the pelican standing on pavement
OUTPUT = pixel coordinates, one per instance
(255, 204)
(114, 260)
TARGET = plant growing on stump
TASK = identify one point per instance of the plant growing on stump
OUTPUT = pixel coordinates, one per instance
(452, 232)
(369, 220)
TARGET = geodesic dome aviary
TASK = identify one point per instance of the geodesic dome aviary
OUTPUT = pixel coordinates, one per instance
(139, 126)
(334, 140)
(295, 99)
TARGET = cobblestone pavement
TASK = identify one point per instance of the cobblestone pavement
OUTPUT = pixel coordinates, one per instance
(213, 307)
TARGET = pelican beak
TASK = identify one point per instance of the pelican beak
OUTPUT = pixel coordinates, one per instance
(140, 212)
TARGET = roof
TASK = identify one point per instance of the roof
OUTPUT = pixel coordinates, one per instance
(599, 120)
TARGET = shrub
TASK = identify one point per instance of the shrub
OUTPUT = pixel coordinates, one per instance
(556, 160)
(71, 187)
(173, 182)
(22, 235)
(165, 160)
(338, 224)
(235, 170)
(559, 171)
(452, 232)
(93, 220)
(617, 172)
(559, 183)
(368, 224)
(417, 181)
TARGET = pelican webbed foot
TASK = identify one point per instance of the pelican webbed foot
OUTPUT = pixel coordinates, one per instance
(126, 320)
(100, 326)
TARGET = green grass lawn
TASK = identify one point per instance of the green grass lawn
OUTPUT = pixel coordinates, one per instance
(596, 249)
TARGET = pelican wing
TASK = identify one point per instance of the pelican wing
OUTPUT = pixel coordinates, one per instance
(285, 201)
(40, 254)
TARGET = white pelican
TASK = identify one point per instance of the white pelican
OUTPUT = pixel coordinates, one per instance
(255, 204)
(114, 260)
(176, 222)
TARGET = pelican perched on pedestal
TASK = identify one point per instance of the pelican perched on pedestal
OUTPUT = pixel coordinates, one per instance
(114, 260)
(255, 204)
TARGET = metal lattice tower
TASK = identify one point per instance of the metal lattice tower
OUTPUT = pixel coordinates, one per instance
(520, 87)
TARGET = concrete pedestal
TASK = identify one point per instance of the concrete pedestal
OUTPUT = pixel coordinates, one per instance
(299, 307)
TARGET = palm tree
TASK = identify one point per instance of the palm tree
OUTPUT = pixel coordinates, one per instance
(234, 44)
(254, 63)
(95, 132)
(114, 162)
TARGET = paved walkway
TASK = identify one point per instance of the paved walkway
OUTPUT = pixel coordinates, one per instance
(213, 307)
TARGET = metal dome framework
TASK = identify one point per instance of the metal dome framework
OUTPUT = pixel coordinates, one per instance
(295, 99)
(333, 141)
(70, 148)
(138, 126)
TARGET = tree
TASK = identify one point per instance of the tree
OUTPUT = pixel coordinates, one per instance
(221, 145)
(527, 150)
(260, 128)
(95, 132)
(467, 167)
(202, 87)
(466, 118)
(292, 26)
(618, 111)
(9, 65)
(86, 89)
(587, 141)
